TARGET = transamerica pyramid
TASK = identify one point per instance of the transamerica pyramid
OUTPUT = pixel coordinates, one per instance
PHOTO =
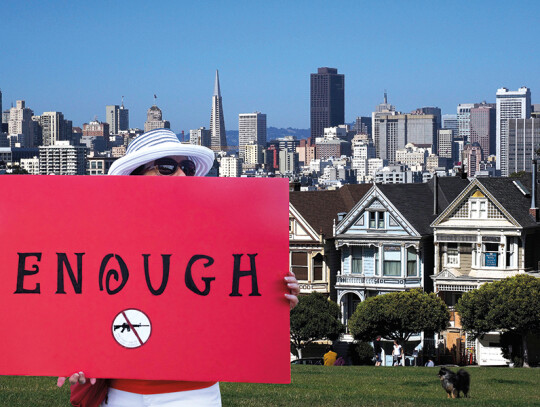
(218, 141)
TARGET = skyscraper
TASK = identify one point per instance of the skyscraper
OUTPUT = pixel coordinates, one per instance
(436, 111)
(383, 109)
(154, 120)
(53, 128)
(523, 141)
(20, 122)
(483, 128)
(117, 117)
(510, 105)
(251, 130)
(327, 100)
(450, 121)
(218, 140)
(464, 121)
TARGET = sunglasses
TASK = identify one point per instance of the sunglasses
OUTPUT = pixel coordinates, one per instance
(168, 166)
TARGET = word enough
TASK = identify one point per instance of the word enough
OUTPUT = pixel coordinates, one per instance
(106, 274)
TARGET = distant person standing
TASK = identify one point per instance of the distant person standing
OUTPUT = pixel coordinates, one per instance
(377, 348)
(330, 356)
(397, 353)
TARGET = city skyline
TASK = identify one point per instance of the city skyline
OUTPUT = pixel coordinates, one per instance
(424, 54)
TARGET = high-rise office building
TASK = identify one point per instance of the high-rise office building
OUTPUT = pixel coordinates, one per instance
(392, 135)
(464, 121)
(363, 125)
(523, 141)
(53, 128)
(435, 111)
(450, 121)
(327, 105)
(472, 155)
(422, 129)
(154, 120)
(20, 122)
(382, 109)
(251, 130)
(200, 137)
(445, 143)
(510, 105)
(117, 117)
(218, 139)
(397, 130)
(483, 128)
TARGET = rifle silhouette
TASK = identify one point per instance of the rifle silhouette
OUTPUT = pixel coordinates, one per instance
(125, 326)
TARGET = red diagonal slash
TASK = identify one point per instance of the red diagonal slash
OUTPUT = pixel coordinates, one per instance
(132, 328)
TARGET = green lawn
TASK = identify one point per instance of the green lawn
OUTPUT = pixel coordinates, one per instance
(331, 386)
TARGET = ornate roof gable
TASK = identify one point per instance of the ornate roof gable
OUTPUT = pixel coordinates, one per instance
(375, 200)
(460, 208)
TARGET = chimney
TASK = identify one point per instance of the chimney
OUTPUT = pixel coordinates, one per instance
(435, 194)
(534, 208)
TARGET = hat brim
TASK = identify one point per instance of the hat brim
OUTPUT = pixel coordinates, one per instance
(202, 157)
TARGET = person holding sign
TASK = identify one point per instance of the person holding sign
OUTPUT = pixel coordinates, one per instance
(160, 153)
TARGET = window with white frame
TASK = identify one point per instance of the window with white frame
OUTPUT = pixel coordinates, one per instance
(376, 258)
(452, 255)
(376, 219)
(478, 208)
(299, 265)
(356, 260)
(412, 264)
(511, 251)
(392, 261)
(490, 254)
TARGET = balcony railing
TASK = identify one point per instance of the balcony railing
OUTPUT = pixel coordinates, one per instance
(352, 280)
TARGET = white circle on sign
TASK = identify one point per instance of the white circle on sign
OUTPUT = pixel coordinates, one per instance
(131, 328)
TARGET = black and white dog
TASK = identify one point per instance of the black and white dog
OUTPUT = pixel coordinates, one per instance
(454, 383)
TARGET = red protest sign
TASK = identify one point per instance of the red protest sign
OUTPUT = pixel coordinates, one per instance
(163, 278)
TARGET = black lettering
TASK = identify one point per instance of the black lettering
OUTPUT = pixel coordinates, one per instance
(237, 273)
(112, 273)
(166, 258)
(22, 272)
(76, 282)
(207, 280)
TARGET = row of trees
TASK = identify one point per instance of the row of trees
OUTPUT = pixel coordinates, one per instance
(511, 305)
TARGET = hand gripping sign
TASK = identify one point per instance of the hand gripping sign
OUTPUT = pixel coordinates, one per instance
(171, 278)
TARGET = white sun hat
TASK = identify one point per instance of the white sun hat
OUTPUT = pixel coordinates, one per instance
(157, 144)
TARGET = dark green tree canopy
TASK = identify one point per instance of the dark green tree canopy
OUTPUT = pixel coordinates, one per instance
(509, 305)
(512, 304)
(314, 318)
(399, 315)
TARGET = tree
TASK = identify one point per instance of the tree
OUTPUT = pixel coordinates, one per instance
(399, 315)
(509, 305)
(314, 318)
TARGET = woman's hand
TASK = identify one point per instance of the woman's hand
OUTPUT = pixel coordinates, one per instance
(74, 379)
(294, 289)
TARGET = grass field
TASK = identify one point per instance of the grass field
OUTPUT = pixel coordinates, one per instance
(331, 386)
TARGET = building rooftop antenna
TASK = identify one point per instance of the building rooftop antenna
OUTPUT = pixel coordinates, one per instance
(122, 102)
(385, 97)
(155, 98)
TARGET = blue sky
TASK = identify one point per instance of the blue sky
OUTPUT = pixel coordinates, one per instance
(77, 57)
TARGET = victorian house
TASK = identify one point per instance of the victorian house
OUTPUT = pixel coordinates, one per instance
(489, 232)
(313, 256)
(386, 241)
